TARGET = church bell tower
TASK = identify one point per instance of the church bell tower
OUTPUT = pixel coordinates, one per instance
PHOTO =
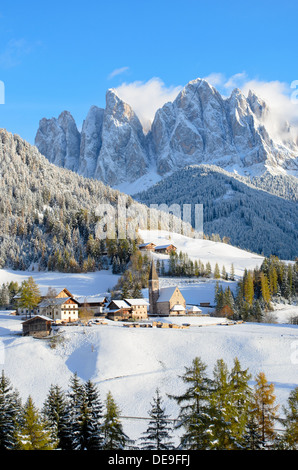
(153, 290)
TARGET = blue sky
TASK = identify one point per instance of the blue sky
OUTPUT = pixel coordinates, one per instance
(65, 54)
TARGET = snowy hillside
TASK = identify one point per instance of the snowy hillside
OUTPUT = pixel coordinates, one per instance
(132, 362)
(204, 250)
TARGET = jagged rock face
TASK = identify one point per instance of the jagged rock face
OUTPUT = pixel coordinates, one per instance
(199, 126)
(91, 141)
(111, 147)
(59, 140)
(123, 153)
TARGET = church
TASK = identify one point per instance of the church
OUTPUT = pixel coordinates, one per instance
(167, 301)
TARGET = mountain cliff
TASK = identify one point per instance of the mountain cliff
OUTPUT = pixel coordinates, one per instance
(198, 127)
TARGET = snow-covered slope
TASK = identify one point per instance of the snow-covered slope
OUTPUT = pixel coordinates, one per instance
(132, 362)
(205, 250)
(153, 358)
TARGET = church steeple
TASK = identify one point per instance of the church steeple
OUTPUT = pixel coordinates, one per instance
(153, 289)
(153, 274)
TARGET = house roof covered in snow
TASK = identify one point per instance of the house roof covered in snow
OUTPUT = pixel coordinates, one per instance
(91, 299)
(178, 308)
(136, 302)
(41, 317)
(166, 293)
(55, 302)
(162, 247)
(119, 304)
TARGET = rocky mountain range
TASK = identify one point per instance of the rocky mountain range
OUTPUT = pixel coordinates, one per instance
(198, 127)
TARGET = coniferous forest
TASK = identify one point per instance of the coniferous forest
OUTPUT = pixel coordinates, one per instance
(228, 410)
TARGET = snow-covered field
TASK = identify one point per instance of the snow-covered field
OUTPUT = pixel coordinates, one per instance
(132, 362)
(78, 284)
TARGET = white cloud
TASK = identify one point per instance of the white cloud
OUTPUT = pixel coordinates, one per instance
(119, 71)
(147, 97)
(278, 96)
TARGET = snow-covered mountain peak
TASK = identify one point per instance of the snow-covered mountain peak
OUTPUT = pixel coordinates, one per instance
(239, 133)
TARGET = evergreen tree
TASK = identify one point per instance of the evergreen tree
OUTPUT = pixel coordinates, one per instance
(290, 421)
(224, 273)
(222, 412)
(33, 433)
(257, 311)
(216, 272)
(232, 273)
(114, 436)
(92, 415)
(252, 436)
(75, 403)
(157, 435)
(10, 406)
(241, 397)
(55, 412)
(208, 270)
(194, 407)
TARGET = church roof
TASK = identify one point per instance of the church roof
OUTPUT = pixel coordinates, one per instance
(166, 293)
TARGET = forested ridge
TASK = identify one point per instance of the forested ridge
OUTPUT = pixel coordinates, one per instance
(259, 215)
(49, 218)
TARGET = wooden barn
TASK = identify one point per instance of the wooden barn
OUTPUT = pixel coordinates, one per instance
(119, 310)
(38, 326)
(147, 246)
(165, 249)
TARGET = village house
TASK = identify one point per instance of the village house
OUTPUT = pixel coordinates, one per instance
(62, 293)
(139, 308)
(165, 249)
(37, 326)
(60, 309)
(164, 302)
(93, 304)
(118, 310)
(127, 309)
(147, 246)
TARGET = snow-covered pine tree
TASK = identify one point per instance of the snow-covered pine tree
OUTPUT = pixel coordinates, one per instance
(55, 412)
(194, 415)
(222, 413)
(241, 396)
(290, 421)
(252, 438)
(10, 407)
(158, 433)
(114, 436)
(75, 402)
(91, 418)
